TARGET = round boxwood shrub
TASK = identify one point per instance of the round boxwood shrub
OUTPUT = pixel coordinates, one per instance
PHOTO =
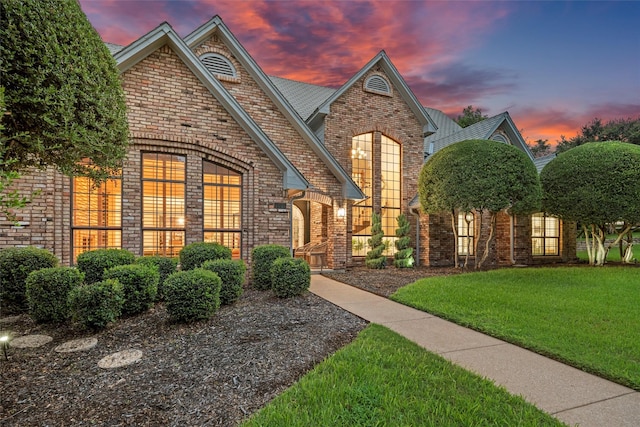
(139, 285)
(232, 274)
(48, 293)
(94, 263)
(263, 257)
(96, 305)
(290, 277)
(194, 254)
(165, 266)
(15, 266)
(192, 295)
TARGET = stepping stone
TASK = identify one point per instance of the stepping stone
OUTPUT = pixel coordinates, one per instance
(121, 358)
(82, 344)
(10, 319)
(27, 341)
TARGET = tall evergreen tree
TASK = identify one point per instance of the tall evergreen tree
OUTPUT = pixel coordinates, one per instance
(403, 257)
(375, 257)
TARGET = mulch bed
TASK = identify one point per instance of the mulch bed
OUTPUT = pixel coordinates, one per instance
(210, 373)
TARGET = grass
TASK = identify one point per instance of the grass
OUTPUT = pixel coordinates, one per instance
(613, 255)
(383, 379)
(584, 316)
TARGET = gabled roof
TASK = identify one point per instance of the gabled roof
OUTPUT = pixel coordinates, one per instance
(481, 130)
(349, 189)
(303, 97)
(317, 118)
(165, 35)
(446, 126)
(541, 162)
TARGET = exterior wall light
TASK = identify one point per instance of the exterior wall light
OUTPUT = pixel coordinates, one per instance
(342, 212)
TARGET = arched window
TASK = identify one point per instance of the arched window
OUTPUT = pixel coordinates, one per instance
(222, 206)
(366, 171)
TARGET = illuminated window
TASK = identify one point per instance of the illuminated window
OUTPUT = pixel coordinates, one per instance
(390, 188)
(465, 233)
(545, 235)
(364, 175)
(222, 206)
(163, 204)
(97, 215)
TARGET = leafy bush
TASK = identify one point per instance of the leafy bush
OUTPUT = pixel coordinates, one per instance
(15, 266)
(194, 254)
(263, 257)
(290, 277)
(232, 274)
(94, 263)
(139, 286)
(192, 295)
(166, 266)
(97, 304)
(48, 292)
(403, 257)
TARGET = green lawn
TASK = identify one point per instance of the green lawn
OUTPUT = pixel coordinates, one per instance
(585, 316)
(383, 379)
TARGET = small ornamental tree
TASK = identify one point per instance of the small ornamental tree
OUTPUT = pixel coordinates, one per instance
(375, 257)
(480, 176)
(403, 258)
(597, 185)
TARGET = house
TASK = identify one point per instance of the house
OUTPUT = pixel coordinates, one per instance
(222, 152)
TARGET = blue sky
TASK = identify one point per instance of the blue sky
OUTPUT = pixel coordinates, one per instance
(554, 65)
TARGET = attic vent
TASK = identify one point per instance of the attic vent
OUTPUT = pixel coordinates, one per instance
(378, 85)
(500, 138)
(218, 65)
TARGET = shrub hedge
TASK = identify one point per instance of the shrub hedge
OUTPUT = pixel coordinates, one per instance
(97, 304)
(165, 266)
(192, 295)
(263, 257)
(139, 286)
(290, 277)
(48, 293)
(15, 266)
(94, 263)
(232, 274)
(194, 254)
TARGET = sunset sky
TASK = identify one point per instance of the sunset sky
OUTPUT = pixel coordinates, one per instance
(554, 65)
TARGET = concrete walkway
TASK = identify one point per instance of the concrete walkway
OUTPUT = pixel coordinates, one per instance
(567, 393)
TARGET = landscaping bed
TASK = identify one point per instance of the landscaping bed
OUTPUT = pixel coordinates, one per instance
(213, 373)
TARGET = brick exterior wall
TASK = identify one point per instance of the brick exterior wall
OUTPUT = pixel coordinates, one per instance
(170, 111)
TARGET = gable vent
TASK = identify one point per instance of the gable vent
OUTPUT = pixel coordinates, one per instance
(218, 65)
(378, 85)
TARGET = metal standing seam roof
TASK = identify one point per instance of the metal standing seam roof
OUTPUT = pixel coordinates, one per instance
(305, 98)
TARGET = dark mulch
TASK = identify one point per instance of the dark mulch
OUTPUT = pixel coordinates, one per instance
(387, 281)
(211, 373)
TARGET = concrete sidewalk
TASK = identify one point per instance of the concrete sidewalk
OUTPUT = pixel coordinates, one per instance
(571, 395)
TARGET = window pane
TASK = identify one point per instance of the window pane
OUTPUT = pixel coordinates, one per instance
(230, 240)
(545, 232)
(87, 240)
(466, 229)
(222, 206)
(165, 243)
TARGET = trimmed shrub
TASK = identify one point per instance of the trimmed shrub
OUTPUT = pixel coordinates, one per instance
(194, 254)
(94, 263)
(166, 266)
(232, 274)
(139, 286)
(263, 257)
(192, 295)
(48, 293)
(98, 304)
(403, 258)
(375, 257)
(290, 277)
(15, 266)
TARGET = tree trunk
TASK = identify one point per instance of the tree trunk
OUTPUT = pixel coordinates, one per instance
(487, 246)
(477, 238)
(454, 226)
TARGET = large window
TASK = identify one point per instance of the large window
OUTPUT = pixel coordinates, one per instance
(465, 233)
(390, 190)
(545, 235)
(97, 215)
(222, 206)
(163, 207)
(365, 172)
